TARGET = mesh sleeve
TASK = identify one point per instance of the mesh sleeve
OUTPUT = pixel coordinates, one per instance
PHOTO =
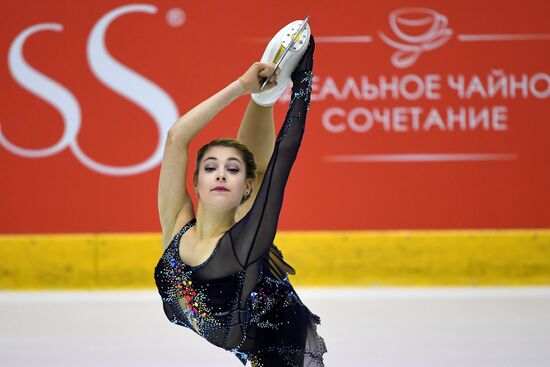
(253, 237)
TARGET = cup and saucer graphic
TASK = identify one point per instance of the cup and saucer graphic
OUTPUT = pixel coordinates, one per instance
(417, 30)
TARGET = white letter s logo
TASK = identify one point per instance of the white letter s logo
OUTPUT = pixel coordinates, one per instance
(45, 88)
(122, 80)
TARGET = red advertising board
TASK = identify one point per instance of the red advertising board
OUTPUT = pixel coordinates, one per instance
(424, 114)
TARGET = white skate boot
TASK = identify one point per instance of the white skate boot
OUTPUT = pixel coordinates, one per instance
(275, 49)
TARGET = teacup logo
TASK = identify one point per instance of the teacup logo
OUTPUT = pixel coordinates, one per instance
(418, 30)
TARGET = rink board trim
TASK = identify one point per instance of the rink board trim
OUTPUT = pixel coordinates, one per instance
(353, 258)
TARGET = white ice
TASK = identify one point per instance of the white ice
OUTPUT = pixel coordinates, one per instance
(378, 327)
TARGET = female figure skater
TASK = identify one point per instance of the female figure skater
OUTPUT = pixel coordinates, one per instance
(220, 274)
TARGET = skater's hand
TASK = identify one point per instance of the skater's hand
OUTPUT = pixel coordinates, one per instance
(254, 77)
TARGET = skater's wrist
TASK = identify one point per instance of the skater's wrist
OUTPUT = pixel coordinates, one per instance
(241, 87)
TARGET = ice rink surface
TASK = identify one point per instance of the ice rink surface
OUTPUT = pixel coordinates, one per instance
(378, 327)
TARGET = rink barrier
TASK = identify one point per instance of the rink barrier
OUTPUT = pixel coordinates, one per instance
(353, 258)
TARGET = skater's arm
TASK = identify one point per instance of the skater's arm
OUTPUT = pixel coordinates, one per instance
(189, 125)
(174, 202)
(257, 132)
(173, 199)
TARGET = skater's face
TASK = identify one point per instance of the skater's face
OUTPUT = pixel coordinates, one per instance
(222, 181)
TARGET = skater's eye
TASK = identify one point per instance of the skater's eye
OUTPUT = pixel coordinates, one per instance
(231, 169)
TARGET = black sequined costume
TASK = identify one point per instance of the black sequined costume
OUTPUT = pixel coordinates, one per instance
(240, 298)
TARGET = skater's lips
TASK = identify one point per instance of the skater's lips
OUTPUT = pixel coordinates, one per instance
(220, 188)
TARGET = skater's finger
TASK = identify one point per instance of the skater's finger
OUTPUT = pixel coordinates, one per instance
(276, 74)
(270, 85)
(266, 74)
(277, 71)
(267, 70)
